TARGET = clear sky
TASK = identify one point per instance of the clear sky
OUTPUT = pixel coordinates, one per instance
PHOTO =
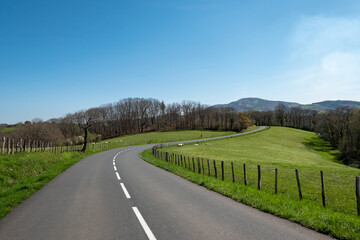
(61, 56)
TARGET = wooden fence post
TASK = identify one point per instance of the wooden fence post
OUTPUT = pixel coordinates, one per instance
(202, 163)
(357, 195)
(259, 177)
(13, 146)
(199, 168)
(276, 180)
(245, 177)
(298, 183)
(193, 164)
(232, 170)
(208, 167)
(322, 189)
(215, 170)
(222, 170)
(3, 145)
(8, 147)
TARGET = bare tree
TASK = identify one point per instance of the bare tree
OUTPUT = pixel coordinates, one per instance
(84, 119)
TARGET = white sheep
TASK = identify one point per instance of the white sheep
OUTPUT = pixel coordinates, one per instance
(180, 144)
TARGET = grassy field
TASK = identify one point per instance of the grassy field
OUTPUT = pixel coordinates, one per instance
(7, 129)
(23, 174)
(285, 149)
(166, 136)
(306, 212)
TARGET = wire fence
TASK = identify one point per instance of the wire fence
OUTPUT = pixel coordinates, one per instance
(335, 191)
(14, 146)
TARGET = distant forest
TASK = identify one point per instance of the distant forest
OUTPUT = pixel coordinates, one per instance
(340, 127)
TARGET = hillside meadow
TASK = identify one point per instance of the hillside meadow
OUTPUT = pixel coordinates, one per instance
(165, 136)
(286, 149)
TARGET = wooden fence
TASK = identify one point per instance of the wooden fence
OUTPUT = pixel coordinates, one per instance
(12, 146)
(241, 173)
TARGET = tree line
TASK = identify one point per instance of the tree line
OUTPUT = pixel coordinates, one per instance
(129, 116)
(340, 127)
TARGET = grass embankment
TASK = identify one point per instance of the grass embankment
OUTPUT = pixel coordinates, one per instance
(23, 174)
(166, 136)
(285, 149)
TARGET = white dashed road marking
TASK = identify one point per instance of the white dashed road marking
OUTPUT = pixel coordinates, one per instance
(118, 176)
(144, 225)
(125, 190)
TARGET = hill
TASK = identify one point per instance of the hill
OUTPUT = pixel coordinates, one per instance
(258, 104)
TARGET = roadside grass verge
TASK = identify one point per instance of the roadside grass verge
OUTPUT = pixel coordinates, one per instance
(286, 149)
(305, 212)
(23, 174)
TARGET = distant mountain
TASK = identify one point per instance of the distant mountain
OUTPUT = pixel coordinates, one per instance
(328, 105)
(258, 104)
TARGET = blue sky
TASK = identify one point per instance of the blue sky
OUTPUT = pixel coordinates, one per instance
(58, 57)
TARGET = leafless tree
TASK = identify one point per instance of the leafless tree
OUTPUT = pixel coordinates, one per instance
(84, 119)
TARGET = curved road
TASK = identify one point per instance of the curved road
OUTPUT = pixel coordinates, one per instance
(116, 195)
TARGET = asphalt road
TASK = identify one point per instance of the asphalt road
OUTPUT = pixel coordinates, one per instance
(128, 198)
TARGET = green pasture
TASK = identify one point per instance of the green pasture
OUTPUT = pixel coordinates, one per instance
(165, 136)
(286, 149)
(305, 212)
